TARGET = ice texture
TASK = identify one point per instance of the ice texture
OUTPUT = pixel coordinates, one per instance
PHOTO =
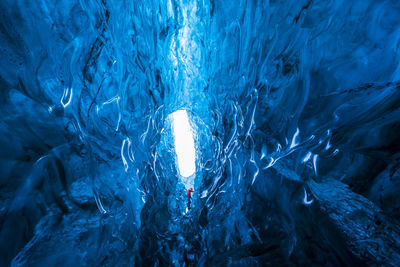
(294, 108)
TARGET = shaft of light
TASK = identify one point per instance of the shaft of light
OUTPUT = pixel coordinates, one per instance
(184, 143)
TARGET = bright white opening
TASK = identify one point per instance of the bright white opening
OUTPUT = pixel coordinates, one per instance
(184, 143)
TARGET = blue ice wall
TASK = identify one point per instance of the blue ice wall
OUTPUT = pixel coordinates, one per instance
(294, 107)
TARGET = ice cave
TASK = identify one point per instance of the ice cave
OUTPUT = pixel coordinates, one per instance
(200, 133)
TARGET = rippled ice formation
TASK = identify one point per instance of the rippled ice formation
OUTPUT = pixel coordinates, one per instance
(293, 109)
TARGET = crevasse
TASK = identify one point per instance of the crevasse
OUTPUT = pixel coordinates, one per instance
(293, 108)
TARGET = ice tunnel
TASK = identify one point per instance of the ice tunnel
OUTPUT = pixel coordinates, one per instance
(200, 133)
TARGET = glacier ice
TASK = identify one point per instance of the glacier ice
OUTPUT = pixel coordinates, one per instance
(293, 109)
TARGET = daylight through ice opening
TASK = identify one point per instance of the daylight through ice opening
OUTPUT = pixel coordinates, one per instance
(184, 143)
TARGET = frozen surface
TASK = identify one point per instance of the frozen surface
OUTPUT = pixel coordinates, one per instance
(294, 107)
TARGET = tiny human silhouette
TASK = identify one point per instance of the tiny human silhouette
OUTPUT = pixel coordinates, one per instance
(189, 195)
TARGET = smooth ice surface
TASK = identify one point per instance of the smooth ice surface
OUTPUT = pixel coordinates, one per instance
(294, 110)
(184, 143)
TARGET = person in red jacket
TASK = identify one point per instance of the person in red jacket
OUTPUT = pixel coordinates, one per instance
(189, 192)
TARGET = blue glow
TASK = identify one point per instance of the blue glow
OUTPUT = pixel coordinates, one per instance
(282, 116)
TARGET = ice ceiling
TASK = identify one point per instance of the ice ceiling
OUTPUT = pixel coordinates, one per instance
(284, 116)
